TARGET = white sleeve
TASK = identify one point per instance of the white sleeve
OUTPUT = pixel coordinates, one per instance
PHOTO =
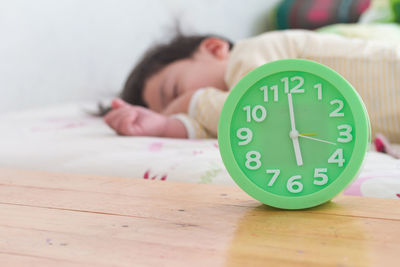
(205, 108)
(194, 129)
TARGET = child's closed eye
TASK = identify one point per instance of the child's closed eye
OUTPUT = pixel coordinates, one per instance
(175, 91)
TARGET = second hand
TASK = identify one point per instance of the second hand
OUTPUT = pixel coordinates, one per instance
(316, 139)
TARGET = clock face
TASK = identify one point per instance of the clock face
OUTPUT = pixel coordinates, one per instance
(293, 133)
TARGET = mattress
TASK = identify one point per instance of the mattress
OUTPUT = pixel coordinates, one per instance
(66, 138)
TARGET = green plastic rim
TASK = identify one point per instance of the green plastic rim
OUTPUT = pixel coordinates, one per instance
(362, 134)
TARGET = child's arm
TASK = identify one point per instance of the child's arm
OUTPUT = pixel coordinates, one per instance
(131, 120)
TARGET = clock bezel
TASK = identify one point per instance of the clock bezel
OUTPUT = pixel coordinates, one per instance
(361, 137)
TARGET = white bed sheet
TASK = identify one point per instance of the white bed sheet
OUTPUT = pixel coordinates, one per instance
(66, 139)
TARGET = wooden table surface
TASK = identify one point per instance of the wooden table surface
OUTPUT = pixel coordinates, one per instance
(49, 219)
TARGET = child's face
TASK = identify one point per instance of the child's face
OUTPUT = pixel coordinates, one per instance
(205, 69)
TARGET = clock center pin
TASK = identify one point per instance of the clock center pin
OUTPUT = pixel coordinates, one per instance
(294, 134)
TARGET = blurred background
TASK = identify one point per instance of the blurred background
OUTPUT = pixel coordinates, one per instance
(65, 51)
(75, 50)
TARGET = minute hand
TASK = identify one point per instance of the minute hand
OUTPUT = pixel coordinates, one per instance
(294, 133)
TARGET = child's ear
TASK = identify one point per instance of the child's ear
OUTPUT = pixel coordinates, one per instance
(215, 46)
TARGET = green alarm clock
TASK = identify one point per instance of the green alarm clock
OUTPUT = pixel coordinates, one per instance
(293, 133)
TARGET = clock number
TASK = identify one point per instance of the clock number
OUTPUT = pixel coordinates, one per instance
(276, 173)
(272, 88)
(346, 133)
(337, 157)
(295, 89)
(275, 89)
(294, 186)
(286, 84)
(318, 86)
(258, 113)
(320, 173)
(244, 134)
(265, 90)
(336, 112)
(253, 160)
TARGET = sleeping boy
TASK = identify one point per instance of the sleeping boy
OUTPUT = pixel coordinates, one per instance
(178, 89)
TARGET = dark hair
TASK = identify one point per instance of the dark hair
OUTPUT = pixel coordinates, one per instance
(155, 59)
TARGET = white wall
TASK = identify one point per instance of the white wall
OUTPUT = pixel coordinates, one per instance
(70, 50)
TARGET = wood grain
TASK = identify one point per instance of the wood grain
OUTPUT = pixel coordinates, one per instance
(49, 219)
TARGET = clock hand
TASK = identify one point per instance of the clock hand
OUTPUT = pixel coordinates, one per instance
(316, 139)
(297, 151)
(294, 133)
(307, 133)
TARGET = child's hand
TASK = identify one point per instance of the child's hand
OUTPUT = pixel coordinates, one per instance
(131, 120)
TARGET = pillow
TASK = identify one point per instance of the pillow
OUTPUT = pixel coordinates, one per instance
(388, 32)
(379, 11)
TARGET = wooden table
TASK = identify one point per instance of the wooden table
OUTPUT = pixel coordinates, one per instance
(49, 219)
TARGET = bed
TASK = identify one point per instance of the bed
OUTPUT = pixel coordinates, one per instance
(67, 139)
